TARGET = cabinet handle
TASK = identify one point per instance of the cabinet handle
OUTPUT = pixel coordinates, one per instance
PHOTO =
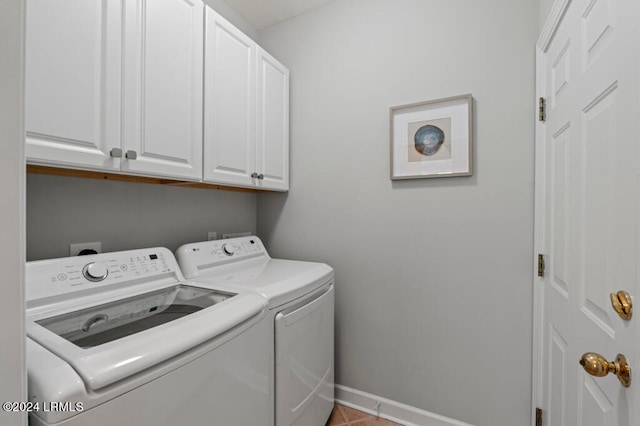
(131, 155)
(116, 153)
(260, 176)
(255, 175)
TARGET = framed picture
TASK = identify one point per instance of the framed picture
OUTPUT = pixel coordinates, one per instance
(432, 139)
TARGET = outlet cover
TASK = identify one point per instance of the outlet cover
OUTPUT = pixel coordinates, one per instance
(76, 248)
(211, 235)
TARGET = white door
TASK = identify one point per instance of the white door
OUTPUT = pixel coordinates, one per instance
(587, 210)
(163, 88)
(229, 103)
(272, 123)
(72, 78)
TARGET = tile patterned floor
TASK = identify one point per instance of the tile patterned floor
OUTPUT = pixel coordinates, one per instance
(345, 416)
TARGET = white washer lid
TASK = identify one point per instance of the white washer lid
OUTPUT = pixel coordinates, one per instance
(110, 362)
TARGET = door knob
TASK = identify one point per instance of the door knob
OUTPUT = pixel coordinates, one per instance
(598, 366)
(622, 304)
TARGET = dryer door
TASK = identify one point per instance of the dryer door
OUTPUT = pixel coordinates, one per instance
(304, 361)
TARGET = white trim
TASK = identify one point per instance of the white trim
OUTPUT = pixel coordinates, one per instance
(547, 34)
(538, 243)
(391, 410)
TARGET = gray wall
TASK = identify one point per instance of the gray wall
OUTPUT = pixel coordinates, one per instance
(124, 215)
(544, 9)
(13, 385)
(433, 276)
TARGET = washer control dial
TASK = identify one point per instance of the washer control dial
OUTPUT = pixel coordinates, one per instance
(228, 249)
(95, 271)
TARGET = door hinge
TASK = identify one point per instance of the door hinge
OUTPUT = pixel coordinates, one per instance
(538, 416)
(542, 109)
(541, 265)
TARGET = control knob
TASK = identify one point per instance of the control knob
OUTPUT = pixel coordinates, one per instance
(95, 271)
(228, 249)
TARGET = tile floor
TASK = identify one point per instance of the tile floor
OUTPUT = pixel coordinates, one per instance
(345, 416)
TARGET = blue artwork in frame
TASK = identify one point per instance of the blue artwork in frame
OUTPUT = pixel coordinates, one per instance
(432, 139)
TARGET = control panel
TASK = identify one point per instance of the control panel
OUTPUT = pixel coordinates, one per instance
(235, 247)
(198, 256)
(66, 275)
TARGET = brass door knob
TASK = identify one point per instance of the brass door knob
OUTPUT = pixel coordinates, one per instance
(598, 366)
(622, 304)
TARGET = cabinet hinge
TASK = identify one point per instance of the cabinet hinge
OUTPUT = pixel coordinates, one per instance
(538, 416)
(541, 265)
(542, 109)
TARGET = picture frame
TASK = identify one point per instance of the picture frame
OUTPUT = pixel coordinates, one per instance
(432, 139)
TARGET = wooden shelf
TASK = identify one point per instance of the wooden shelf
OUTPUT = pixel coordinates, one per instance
(56, 171)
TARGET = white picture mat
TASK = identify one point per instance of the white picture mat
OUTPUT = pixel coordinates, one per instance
(458, 111)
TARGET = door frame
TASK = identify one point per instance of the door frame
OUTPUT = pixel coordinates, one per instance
(547, 35)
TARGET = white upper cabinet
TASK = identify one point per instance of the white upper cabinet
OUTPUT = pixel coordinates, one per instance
(73, 82)
(105, 93)
(272, 127)
(229, 103)
(246, 107)
(163, 88)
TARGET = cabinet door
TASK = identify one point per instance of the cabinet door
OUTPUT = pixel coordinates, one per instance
(72, 82)
(229, 104)
(272, 139)
(163, 88)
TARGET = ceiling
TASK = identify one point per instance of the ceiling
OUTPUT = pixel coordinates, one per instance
(264, 13)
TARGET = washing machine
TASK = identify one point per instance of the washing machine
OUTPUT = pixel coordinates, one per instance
(123, 339)
(300, 298)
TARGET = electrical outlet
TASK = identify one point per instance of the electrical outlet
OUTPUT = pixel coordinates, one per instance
(76, 248)
(236, 234)
(212, 235)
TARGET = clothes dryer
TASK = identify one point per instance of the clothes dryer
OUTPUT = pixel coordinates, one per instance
(300, 298)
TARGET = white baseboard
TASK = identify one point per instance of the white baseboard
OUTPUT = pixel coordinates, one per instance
(391, 410)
